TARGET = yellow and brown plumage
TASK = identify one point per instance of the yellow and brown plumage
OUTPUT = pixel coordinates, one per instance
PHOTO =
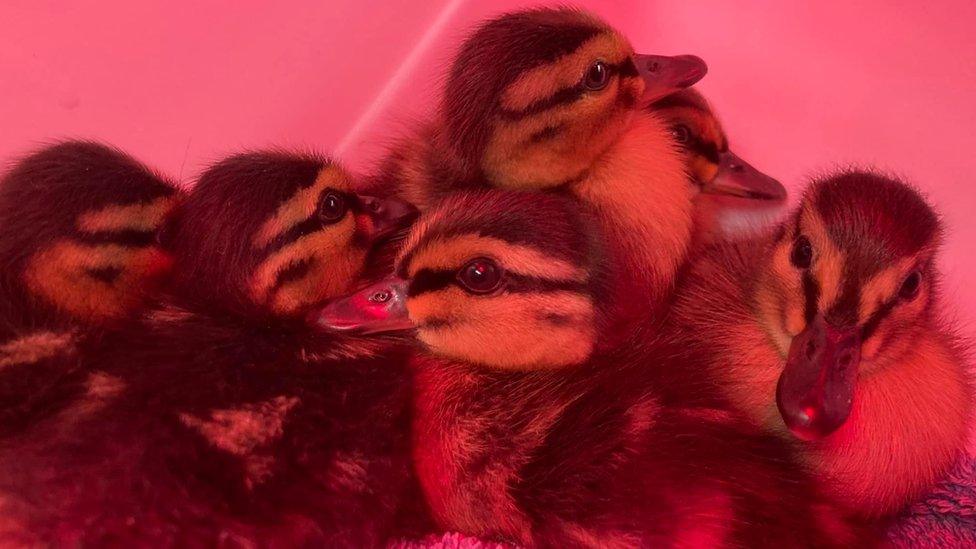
(80, 254)
(552, 100)
(223, 419)
(525, 430)
(831, 328)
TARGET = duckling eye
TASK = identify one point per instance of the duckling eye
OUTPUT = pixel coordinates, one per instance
(681, 134)
(332, 207)
(802, 254)
(480, 276)
(909, 288)
(597, 77)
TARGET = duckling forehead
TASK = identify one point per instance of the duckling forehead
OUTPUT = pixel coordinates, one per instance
(302, 204)
(877, 219)
(450, 253)
(565, 71)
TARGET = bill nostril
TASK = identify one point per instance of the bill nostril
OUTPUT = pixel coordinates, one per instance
(737, 167)
(811, 349)
(654, 66)
(845, 360)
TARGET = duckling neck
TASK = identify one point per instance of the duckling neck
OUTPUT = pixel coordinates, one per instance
(908, 425)
(639, 190)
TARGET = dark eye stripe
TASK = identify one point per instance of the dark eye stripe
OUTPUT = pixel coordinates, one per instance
(811, 293)
(306, 227)
(130, 238)
(431, 280)
(309, 225)
(872, 324)
(565, 95)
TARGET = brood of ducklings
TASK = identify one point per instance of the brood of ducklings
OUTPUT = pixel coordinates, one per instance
(736, 199)
(224, 419)
(524, 431)
(553, 99)
(835, 319)
(79, 256)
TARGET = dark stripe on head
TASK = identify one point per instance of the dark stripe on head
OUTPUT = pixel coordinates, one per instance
(432, 280)
(811, 294)
(561, 97)
(129, 238)
(844, 312)
(872, 324)
(304, 228)
(551, 223)
(878, 219)
(296, 271)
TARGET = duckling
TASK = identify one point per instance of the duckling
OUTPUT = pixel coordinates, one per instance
(828, 334)
(552, 99)
(224, 419)
(525, 431)
(79, 254)
(736, 199)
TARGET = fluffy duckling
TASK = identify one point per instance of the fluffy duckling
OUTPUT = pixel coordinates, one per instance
(524, 431)
(553, 99)
(831, 330)
(224, 419)
(79, 254)
(735, 198)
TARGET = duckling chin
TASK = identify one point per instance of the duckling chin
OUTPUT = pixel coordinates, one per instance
(553, 100)
(221, 418)
(828, 333)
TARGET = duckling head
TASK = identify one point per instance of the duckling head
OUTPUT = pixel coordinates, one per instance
(850, 284)
(535, 97)
(80, 225)
(273, 233)
(712, 167)
(501, 279)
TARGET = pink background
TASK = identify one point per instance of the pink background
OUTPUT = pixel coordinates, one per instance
(180, 83)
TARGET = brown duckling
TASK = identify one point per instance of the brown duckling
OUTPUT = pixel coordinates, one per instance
(79, 255)
(735, 198)
(552, 99)
(829, 334)
(224, 419)
(525, 431)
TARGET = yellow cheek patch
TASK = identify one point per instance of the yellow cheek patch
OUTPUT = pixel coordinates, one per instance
(132, 217)
(302, 204)
(524, 260)
(36, 346)
(516, 331)
(544, 81)
(586, 128)
(59, 274)
(335, 264)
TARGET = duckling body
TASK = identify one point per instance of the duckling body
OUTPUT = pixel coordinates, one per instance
(224, 419)
(525, 430)
(876, 440)
(80, 257)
